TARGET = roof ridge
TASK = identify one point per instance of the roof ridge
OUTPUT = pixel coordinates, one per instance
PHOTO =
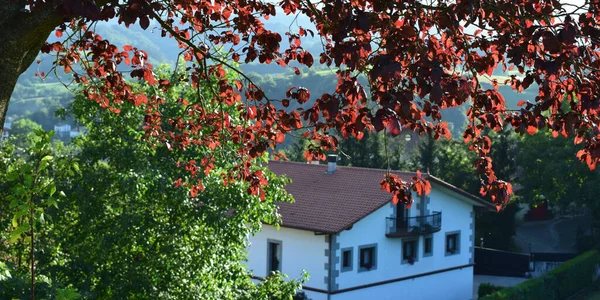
(349, 167)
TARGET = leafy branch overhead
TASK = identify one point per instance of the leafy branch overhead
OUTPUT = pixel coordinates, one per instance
(418, 58)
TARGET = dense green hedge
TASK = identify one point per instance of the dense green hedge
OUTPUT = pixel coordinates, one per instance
(560, 283)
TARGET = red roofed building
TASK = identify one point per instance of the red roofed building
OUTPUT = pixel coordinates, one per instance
(355, 244)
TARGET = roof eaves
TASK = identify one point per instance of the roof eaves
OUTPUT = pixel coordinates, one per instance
(477, 200)
(308, 228)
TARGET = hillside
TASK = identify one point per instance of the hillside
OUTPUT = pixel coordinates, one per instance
(37, 100)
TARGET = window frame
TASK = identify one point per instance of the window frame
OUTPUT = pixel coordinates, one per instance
(415, 250)
(425, 253)
(361, 267)
(349, 267)
(456, 236)
(270, 253)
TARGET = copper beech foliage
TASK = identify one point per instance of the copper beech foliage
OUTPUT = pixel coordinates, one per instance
(419, 57)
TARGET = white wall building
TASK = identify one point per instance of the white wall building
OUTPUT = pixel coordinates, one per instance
(6, 129)
(355, 244)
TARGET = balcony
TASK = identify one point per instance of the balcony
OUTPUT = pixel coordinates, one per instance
(413, 226)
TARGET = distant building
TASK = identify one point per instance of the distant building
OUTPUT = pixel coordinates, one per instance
(355, 244)
(6, 129)
(67, 132)
(66, 128)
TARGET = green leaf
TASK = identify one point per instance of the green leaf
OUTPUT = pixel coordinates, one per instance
(11, 176)
(39, 132)
(67, 294)
(52, 202)
(51, 190)
(4, 272)
(14, 201)
(16, 234)
(28, 180)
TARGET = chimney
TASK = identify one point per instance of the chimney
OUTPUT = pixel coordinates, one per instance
(331, 163)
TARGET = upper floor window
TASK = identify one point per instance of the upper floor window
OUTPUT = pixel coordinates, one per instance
(346, 259)
(367, 257)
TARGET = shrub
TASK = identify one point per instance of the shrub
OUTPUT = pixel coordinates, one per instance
(487, 289)
(560, 283)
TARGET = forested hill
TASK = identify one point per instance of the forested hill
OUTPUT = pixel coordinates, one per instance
(37, 100)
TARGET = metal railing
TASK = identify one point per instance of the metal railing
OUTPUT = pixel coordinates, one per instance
(418, 225)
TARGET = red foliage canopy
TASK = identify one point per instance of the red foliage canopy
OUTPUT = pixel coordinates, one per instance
(418, 59)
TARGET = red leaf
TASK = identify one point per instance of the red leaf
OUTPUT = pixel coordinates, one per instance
(239, 85)
(303, 95)
(308, 59)
(127, 48)
(280, 138)
(144, 22)
(194, 192)
(394, 127)
(226, 13)
(521, 103)
(58, 33)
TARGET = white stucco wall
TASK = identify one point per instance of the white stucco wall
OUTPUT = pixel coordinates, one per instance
(300, 250)
(456, 215)
(452, 285)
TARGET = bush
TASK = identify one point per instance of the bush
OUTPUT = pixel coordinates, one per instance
(487, 289)
(560, 283)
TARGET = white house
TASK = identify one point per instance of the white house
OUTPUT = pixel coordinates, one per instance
(6, 129)
(355, 244)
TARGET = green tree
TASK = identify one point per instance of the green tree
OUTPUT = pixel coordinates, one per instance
(426, 158)
(31, 175)
(367, 152)
(295, 151)
(125, 232)
(24, 126)
(548, 169)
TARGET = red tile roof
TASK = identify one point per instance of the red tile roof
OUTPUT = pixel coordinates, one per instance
(330, 203)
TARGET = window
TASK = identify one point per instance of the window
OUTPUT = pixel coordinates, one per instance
(273, 256)
(453, 243)
(428, 246)
(409, 251)
(346, 259)
(367, 257)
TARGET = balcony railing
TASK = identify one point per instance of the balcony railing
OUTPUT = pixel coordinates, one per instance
(413, 226)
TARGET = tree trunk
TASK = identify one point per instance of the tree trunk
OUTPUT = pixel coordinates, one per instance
(22, 35)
